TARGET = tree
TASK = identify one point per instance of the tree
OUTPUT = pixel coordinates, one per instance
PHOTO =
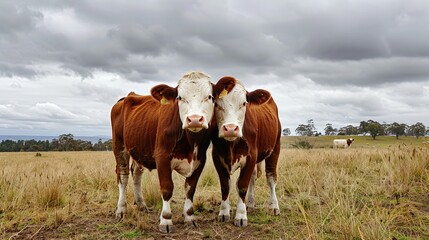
(397, 129)
(306, 129)
(374, 128)
(329, 130)
(66, 142)
(349, 130)
(363, 127)
(417, 130)
(108, 144)
(286, 132)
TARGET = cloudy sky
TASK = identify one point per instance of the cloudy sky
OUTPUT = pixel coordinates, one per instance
(63, 64)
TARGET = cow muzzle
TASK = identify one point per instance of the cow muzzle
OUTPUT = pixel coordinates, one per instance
(194, 123)
(230, 132)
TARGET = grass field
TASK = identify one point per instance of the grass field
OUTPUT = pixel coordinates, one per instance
(378, 189)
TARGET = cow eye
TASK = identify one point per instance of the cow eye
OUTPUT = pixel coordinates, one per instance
(244, 104)
(179, 98)
(210, 97)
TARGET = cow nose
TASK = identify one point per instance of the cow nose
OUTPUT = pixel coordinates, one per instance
(230, 130)
(194, 121)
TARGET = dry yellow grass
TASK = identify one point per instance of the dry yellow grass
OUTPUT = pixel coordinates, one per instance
(356, 193)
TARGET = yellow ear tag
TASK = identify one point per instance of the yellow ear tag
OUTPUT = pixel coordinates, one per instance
(164, 101)
(223, 93)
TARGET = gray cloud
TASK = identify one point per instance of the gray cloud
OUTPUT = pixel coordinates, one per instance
(360, 58)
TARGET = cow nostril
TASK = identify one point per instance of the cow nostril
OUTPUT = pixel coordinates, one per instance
(201, 119)
(236, 129)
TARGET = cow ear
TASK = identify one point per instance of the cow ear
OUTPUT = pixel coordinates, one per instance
(164, 93)
(259, 96)
(224, 86)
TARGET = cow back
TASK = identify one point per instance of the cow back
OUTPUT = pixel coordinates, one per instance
(147, 122)
(262, 127)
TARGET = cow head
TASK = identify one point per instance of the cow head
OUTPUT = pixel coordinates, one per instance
(194, 95)
(231, 103)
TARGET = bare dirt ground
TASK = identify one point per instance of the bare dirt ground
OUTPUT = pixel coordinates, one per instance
(143, 225)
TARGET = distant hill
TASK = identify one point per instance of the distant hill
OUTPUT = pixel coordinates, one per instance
(92, 139)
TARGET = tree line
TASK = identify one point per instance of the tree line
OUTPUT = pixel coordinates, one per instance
(64, 142)
(370, 127)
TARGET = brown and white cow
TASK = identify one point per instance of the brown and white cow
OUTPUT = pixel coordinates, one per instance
(169, 130)
(342, 143)
(248, 132)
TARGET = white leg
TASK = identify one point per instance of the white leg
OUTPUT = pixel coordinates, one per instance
(188, 208)
(251, 192)
(225, 209)
(122, 201)
(241, 214)
(274, 204)
(137, 181)
(188, 212)
(166, 218)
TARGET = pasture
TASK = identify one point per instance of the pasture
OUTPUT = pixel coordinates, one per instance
(377, 189)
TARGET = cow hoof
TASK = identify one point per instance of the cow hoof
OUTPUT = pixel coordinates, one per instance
(223, 218)
(120, 214)
(192, 223)
(166, 228)
(275, 211)
(240, 222)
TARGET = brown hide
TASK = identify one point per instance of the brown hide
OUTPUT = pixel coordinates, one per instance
(148, 129)
(260, 141)
(261, 128)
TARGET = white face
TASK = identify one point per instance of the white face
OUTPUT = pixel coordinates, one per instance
(196, 106)
(230, 112)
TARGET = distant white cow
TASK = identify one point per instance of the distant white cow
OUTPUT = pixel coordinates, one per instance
(342, 143)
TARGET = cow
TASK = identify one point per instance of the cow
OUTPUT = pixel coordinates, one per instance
(342, 143)
(169, 130)
(247, 132)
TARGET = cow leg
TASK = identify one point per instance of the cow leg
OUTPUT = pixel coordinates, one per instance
(274, 204)
(122, 202)
(271, 173)
(137, 172)
(251, 191)
(224, 178)
(190, 187)
(122, 172)
(167, 186)
(242, 186)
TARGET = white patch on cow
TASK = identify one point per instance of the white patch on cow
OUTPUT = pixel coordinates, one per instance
(167, 211)
(241, 213)
(225, 208)
(274, 204)
(195, 94)
(188, 205)
(231, 109)
(122, 201)
(238, 164)
(183, 167)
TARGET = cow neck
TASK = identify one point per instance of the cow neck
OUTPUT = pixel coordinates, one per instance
(195, 137)
(169, 128)
(234, 151)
